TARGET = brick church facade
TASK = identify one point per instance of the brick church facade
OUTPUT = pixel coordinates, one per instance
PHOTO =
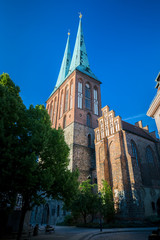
(102, 146)
(127, 157)
(75, 106)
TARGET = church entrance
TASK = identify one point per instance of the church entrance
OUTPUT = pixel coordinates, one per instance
(158, 207)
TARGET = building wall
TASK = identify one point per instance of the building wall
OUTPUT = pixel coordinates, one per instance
(76, 131)
(148, 173)
(127, 175)
(157, 119)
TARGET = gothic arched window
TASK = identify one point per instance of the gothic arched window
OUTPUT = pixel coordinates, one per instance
(88, 120)
(54, 111)
(87, 96)
(58, 211)
(61, 106)
(149, 155)
(95, 101)
(66, 99)
(71, 96)
(134, 152)
(51, 110)
(80, 95)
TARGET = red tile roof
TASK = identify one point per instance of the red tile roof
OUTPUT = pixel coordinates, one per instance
(137, 130)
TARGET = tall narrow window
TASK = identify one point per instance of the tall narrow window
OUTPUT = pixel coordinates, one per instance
(88, 120)
(61, 106)
(66, 99)
(80, 95)
(87, 97)
(58, 210)
(54, 111)
(134, 152)
(51, 110)
(149, 155)
(95, 102)
(71, 97)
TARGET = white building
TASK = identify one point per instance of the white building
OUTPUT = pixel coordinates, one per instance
(154, 109)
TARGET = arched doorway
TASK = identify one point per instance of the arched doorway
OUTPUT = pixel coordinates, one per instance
(158, 207)
(45, 216)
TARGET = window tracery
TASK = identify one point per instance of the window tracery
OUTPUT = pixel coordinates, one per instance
(80, 95)
(134, 152)
(95, 101)
(149, 155)
(87, 96)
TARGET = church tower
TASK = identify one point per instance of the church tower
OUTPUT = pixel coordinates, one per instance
(75, 105)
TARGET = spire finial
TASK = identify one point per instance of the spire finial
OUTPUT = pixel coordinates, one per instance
(80, 15)
(68, 32)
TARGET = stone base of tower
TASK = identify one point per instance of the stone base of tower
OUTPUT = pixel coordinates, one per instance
(82, 151)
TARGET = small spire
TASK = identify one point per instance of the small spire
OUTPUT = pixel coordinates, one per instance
(80, 15)
(80, 59)
(64, 66)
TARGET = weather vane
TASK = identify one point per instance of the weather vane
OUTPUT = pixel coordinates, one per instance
(80, 15)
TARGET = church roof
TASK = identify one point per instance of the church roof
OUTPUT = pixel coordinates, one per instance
(80, 59)
(64, 66)
(137, 130)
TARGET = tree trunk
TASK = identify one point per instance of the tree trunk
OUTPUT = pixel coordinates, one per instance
(23, 213)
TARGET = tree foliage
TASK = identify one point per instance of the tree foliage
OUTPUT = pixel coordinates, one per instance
(88, 203)
(107, 202)
(85, 202)
(33, 156)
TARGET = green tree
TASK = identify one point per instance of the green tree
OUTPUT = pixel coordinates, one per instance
(88, 202)
(85, 203)
(34, 157)
(107, 204)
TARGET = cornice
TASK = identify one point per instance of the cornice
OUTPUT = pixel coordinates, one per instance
(154, 105)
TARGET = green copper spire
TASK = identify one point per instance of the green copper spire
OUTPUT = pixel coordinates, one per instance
(64, 66)
(80, 58)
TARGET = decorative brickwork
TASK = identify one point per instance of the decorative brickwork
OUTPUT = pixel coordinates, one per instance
(121, 159)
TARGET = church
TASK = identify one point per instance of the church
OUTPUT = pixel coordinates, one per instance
(102, 146)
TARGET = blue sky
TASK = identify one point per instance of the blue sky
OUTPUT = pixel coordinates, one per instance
(122, 39)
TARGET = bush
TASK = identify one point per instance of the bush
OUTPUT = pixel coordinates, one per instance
(69, 220)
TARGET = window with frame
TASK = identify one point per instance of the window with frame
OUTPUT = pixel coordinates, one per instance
(134, 152)
(149, 155)
(95, 101)
(87, 96)
(88, 120)
(71, 97)
(61, 106)
(80, 95)
(66, 99)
